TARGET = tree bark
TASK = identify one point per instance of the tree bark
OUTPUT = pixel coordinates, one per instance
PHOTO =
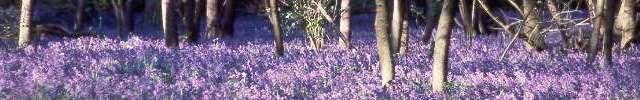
(227, 22)
(532, 28)
(396, 25)
(24, 37)
(441, 50)
(626, 22)
(79, 16)
(607, 27)
(404, 33)
(345, 24)
(382, 42)
(169, 24)
(275, 22)
(603, 25)
(213, 18)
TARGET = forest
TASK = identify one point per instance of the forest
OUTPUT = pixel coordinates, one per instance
(319, 49)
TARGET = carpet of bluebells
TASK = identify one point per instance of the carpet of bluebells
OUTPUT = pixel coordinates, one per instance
(244, 67)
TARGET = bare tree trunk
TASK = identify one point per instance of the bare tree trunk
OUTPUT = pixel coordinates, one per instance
(345, 24)
(477, 18)
(532, 28)
(188, 16)
(429, 11)
(441, 50)
(169, 24)
(24, 37)
(122, 10)
(603, 25)
(151, 12)
(404, 33)
(213, 18)
(465, 12)
(382, 41)
(227, 22)
(275, 22)
(396, 25)
(79, 16)
(597, 10)
(199, 11)
(626, 22)
(607, 27)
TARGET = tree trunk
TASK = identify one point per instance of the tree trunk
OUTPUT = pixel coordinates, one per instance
(626, 22)
(532, 28)
(597, 9)
(122, 10)
(396, 25)
(404, 33)
(77, 27)
(24, 37)
(151, 12)
(603, 25)
(275, 22)
(213, 18)
(227, 22)
(169, 24)
(607, 27)
(441, 50)
(467, 23)
(345, 24)
(188, 16)
(382, 41)
(430, 13)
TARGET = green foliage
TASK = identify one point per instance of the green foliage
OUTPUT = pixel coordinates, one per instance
(305, 14)
(456, 86)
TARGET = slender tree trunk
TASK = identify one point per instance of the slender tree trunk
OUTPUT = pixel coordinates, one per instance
(213, 18)
(595, 33)
(441, 50)
(227, 23)
(169, 24)
(404, 33)
(79, 16)
(478, 18)
(607, 27)
(396, 25)
(24, 37)
(122, 10)
(275, 22)
(151, 12)
(603, 25)
(430, 13)
(382, 41)
(466, 14)
(188, 16)
(345, 24)
(626, 22)
(532, 28)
